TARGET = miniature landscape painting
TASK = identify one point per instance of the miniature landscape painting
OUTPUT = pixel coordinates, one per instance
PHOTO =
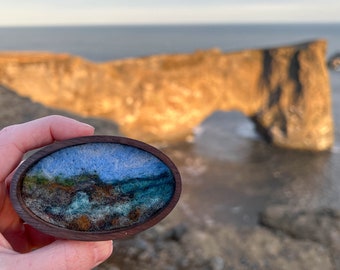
(98, 187)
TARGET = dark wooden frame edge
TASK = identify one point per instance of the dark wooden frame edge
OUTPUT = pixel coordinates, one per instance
(59, 232)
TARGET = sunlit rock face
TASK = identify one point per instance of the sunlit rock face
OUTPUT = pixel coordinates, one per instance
(285, 90)
(98, 187)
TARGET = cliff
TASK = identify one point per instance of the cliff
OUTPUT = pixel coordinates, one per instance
(284, 90)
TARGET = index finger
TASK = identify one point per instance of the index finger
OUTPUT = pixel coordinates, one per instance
(16, 140)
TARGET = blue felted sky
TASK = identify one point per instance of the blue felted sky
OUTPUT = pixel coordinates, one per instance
(112, 162)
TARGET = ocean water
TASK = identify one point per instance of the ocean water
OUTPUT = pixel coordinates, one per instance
(103, 43)
(229, 173)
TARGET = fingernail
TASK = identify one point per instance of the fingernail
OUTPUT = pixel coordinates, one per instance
(102, 251)
(87, 125)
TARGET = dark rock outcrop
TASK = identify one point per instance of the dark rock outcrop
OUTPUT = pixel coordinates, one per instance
(218, 248)
(320, 226)
(17, 109)
(284, 90)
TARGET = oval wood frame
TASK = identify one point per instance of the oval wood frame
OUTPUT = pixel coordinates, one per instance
(29, 217)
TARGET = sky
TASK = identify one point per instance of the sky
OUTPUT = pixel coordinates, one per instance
(89, 12)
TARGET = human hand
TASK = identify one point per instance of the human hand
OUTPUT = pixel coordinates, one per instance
(21, 246)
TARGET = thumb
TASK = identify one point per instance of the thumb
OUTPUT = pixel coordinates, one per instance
(64, 254)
